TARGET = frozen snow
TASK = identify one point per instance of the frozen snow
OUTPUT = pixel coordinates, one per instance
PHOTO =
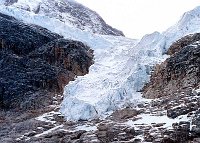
(122, 66)
(65, 11)
(149, 119)
(48, 117)
(2, 1)
(188, 24)
(49, 131)
(55, 25)
(86, 128)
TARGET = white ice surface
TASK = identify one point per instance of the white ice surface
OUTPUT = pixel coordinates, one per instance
(2, 1)
(116, 76)
(121, 70)
(86, 128)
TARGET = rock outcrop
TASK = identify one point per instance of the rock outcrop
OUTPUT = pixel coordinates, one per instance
(178, 73)
(185, 41)
(35, 63)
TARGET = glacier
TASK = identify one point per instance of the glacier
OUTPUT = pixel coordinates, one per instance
(119, 72)
(122, 65)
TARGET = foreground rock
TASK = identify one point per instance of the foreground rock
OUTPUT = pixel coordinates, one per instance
(151, 122)
(35, 64)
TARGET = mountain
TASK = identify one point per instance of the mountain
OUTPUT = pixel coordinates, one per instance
(68, 12)
(107, 104)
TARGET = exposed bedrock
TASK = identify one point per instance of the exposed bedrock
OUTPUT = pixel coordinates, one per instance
(36, 63)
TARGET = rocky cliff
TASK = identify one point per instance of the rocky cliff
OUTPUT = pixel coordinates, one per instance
(178, 73)
(35, 63)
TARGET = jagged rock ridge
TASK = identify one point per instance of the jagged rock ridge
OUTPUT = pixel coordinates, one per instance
(69, 12)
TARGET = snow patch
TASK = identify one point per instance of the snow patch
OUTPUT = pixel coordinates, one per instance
(49, 131)
(149, 119)
(86, 128)
(48, 117)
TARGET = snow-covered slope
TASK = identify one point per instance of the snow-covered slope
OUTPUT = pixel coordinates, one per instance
(55, 25)
(122, 65)
(67, 11)
(188, 24)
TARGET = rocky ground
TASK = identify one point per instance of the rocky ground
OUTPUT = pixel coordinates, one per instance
(173, 119)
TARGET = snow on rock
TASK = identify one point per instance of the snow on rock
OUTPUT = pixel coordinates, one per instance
(188, 24)
(68, 12)
(54, 25)
(49, 131)
(86, 128)
(198, 90)
(48, 117)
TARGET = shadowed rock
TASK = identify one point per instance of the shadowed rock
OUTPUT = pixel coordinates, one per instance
(35, 63)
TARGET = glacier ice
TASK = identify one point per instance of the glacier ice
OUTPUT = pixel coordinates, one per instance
(120, 71)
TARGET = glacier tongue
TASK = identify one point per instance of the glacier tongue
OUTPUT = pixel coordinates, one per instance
(117, 75)
(121, 70)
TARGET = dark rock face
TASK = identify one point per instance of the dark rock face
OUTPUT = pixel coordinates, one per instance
(182, 110)
(35, 63)
(20, 38)
(179, 134)
(178, 73)
(181, 43)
